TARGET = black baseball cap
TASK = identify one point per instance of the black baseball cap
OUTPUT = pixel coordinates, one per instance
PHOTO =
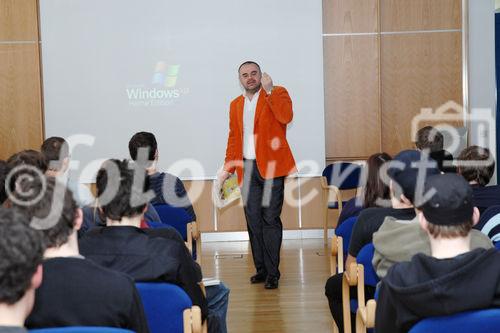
(406, 174)
(451, 202)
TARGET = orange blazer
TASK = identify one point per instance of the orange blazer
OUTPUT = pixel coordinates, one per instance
(272, 114)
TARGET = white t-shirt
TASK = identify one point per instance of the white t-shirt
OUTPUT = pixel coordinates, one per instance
(248, 123)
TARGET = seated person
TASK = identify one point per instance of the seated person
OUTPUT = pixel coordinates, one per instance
(429, 139)
(455, 278)
(404, 173)
(168, 189)
(75, 291)
(56, 151)
(147, 257)
(21, 251)
(477, 166)
(399, 240)
(371, 192)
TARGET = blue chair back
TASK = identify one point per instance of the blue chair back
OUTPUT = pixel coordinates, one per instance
(80, 329)
(343, 175)
(344, 230)
(497, 245)
(164, 304)
(477, 321)
(176, 217)
(365, 257)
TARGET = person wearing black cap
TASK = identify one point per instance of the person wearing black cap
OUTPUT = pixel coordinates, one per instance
(407, 172)
(455, 278)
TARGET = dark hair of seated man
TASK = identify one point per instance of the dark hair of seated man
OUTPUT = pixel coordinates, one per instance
(21, 251)
(56, 152)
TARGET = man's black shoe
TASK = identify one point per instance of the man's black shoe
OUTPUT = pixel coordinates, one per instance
(258, 278)
(271, 282)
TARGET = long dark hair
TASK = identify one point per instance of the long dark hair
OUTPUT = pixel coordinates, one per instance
(375, 188)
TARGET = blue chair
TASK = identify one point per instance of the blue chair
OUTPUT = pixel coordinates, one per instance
(168, 308)
(358, 275)
(365, 257)
(80, 329)
(497, 245)
(476, 321)
(365, 313)
(345, 230)
(335, 178)
(178, 218)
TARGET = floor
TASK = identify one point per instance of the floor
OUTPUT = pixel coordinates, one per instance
(298, 305)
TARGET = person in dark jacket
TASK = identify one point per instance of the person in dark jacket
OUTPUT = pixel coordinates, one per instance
(145, 255)
(168, 189)
(454, 278)
(74, 291)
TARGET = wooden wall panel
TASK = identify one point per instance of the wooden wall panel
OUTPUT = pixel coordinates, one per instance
(21, 123)
(290, 212)
(346, 16)
(18, 20)
(418, 71)
(200, 193)
(232, 218)
(410, 15)
(352, 119)
(312, 203)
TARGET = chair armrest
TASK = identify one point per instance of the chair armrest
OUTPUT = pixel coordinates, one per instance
(192, 320)
(337, 255)
(353, 276)
(365, 316)
(189, 233)
(196, 235)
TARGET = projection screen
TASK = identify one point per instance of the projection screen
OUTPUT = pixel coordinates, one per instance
(115, 67)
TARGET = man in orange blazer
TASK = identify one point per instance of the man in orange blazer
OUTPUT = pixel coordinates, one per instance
(257, 150)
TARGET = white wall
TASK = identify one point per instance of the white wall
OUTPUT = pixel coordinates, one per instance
(482, 84)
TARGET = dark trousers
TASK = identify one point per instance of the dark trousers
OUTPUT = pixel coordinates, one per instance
(263, 200)
(333, 291)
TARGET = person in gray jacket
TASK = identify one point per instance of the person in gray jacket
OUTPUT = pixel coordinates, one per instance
(399, 240)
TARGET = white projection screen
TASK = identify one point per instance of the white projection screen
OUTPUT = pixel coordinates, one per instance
(115, 67)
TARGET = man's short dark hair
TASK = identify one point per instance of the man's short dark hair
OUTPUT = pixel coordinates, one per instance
(55, 149)
(37, 201)
(4, 171)
(480, 172)
(430, 138)
(145, 140)
(29, 157)
(125, 198)
(22, 164)
(21, 251)
(249, 62)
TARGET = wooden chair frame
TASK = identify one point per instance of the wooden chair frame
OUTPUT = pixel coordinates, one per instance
(365, 316)
(337, 255)
(192, 320)
(353, 276)
(193, 233)
(327, 190)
